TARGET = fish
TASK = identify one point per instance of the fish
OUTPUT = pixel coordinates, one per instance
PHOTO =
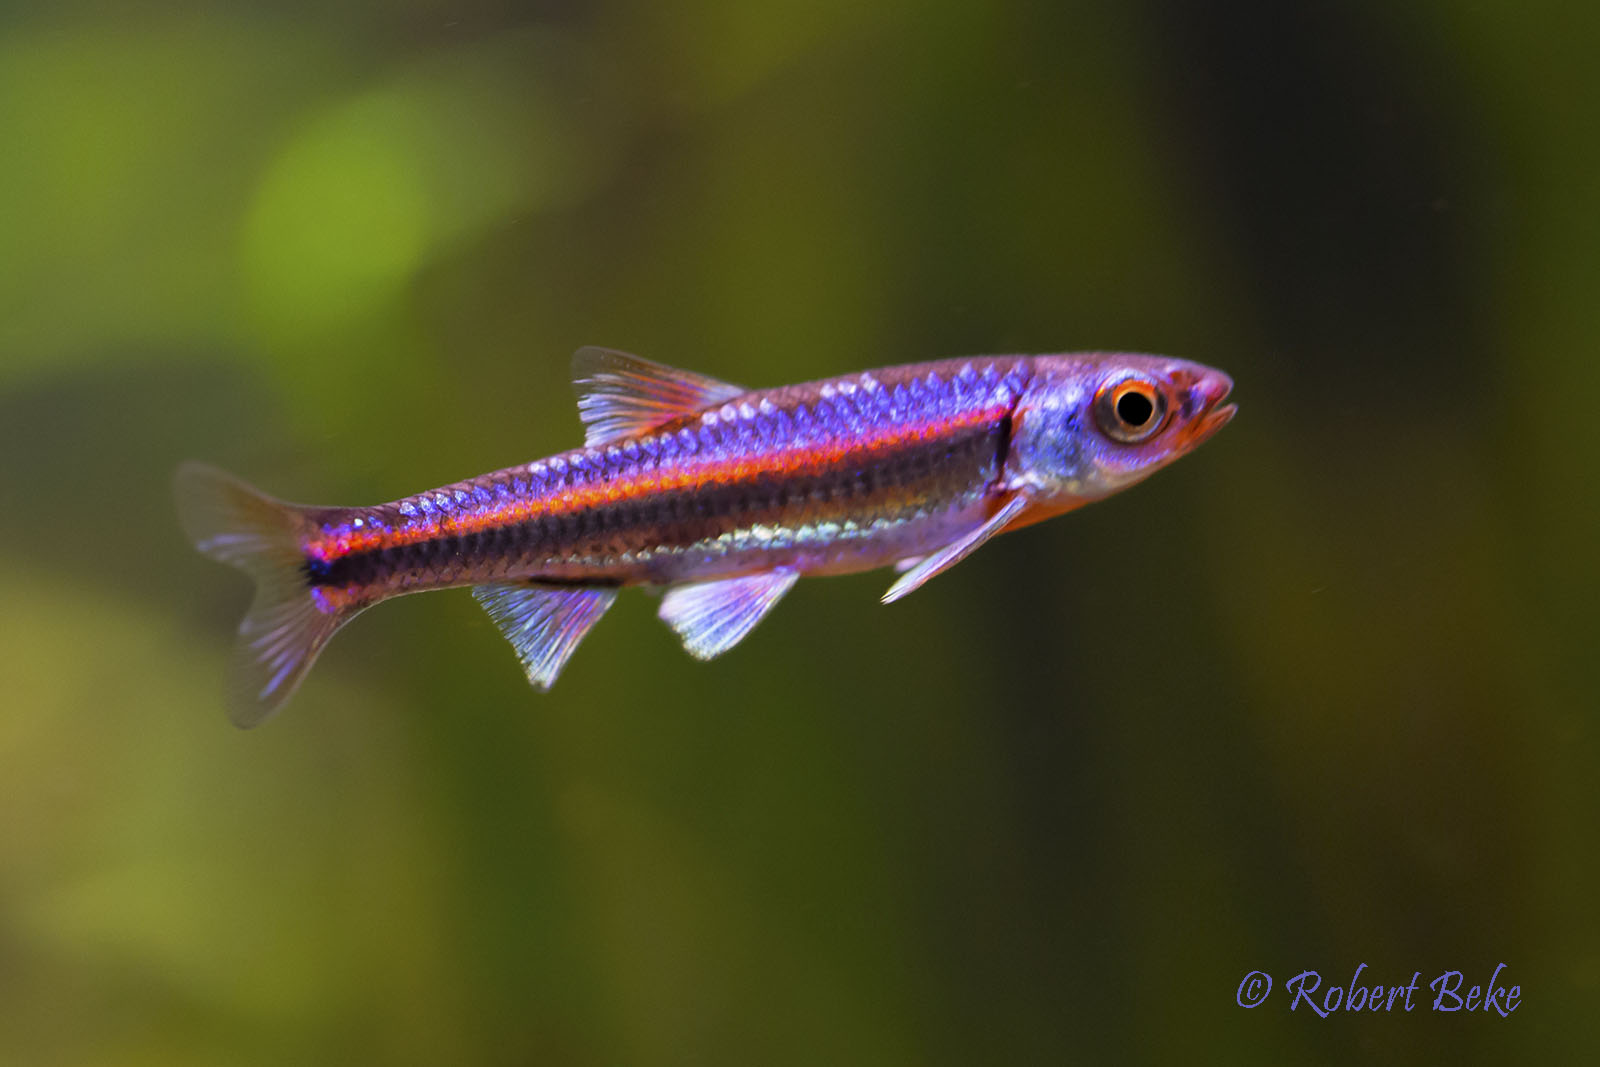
(718, 496)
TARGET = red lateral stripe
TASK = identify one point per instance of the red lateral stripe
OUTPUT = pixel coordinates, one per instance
(642, 485)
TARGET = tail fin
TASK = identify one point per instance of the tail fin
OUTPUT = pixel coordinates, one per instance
(281, 635)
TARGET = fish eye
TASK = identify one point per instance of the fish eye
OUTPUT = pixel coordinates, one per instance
(1130, 410)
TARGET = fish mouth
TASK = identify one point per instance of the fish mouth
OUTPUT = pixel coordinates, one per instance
(1210, 392)
(1219, 418)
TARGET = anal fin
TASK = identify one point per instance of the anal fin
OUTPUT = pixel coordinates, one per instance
(957, 550)
(544, 623)
(712, 617)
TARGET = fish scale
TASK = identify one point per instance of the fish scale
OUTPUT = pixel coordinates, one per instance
(735, 443)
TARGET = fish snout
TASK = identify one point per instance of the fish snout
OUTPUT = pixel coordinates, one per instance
(1203, 403)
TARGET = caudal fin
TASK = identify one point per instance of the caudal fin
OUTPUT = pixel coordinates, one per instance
(282, 633)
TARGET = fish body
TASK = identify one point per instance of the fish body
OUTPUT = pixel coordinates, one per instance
(721, 495)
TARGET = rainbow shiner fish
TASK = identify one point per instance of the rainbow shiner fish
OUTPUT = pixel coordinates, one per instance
(722, 496)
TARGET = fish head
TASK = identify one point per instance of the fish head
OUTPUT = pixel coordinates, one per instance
(1091, 424)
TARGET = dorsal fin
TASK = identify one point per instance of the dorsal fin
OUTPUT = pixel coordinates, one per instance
(621, 395)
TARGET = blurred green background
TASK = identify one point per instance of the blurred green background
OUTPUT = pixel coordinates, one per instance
(1323, 694)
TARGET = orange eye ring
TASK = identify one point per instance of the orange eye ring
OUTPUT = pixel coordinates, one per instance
(1130, 410)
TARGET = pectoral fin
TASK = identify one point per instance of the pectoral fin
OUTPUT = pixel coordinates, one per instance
(712, 617)
(544, 623)
(957, 550)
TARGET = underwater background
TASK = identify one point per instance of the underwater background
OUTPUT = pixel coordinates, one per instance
(1323, 694)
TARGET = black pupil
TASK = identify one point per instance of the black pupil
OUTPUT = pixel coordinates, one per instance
(1134, 408)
